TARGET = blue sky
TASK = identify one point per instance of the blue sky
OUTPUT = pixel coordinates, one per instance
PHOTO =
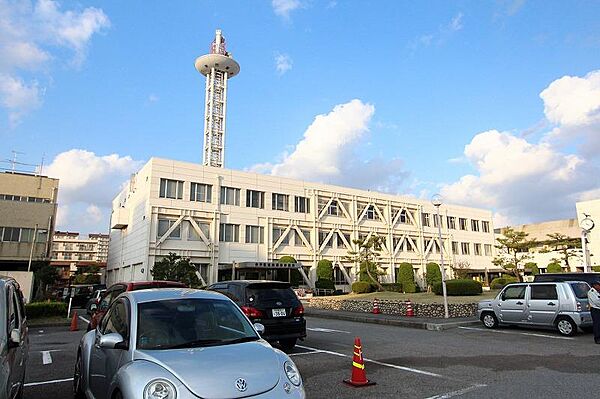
(437, 74)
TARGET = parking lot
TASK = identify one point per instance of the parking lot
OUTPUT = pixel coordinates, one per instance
(468, 362)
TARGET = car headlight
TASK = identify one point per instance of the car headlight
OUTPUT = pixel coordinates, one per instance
(292, 373)
(160, 389)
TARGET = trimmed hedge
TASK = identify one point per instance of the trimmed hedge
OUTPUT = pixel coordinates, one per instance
(433, 274)
(325, 284)
(459, 287)
(409, 288)
(392, 287)
(361, 287)
(36, 310)
(325, 270)
(499, 282)
(554, 267)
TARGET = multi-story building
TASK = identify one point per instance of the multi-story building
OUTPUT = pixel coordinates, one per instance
(27, 217)
(219, 218)
(70, 251)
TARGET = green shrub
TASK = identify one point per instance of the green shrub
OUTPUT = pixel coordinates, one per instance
(287, 259)
(324, 270)
(325, 284)
(409, 288)
(459, 287)
(361, 287)
(596, 268)
(554, 267)
(532, 267)
(432, 274)
(405, 275)
(36, 310)
(499, 282)
(392, 287)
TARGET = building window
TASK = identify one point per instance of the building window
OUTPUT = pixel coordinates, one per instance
(171, 189)
(435, 221)
(229, 232)
(230, 196)
(485, 226)
(404, 216)
(301, 204)
(409, 245)
(280, 202)
(10, 234)
(371, 214)
(464, 246)
(474, 225)
(200, 192)
(462, 223)
(278, 232)
(164, 225)
(255, 234)
(451, 221)
(333, 209)
(455, 247)
(425, 218)
(193, 234)
(477, 249)
(255, 199)
(487, 248)
(322, 237)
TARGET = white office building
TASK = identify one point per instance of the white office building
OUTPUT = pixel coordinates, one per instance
(219, 218)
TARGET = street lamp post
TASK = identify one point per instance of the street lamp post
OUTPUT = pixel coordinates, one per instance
(586, 224)
(436, 200)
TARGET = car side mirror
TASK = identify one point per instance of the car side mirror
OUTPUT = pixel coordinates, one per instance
(111, 341)
(93, 307)
(15, 337)
(260, 329)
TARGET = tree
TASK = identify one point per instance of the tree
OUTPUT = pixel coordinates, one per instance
(514, 247)
(533, 268)
(461, 269)
(325, 270)
(367, 257)
(406, 277)
(175, 268)
(87, 275)
(295, 276)
(554, 267)
(44, 275)
(432, 274)
(566, 245)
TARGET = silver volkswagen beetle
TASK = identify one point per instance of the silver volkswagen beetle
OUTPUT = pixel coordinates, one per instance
(178, 344)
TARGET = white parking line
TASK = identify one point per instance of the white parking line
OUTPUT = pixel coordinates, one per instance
(517, 333)
(458, 392)
(394, 366)
(303, 353)
(46, 357)
(327, 330)
(32, 384)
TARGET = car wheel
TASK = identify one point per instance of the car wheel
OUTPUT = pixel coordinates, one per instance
(287, 344)
(489, 320)
(77, 383)
(566, 326)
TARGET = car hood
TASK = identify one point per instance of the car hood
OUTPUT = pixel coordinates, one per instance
(211, 372)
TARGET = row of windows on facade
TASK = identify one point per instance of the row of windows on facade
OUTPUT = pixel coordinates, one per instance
(256, 199)
(72, 256)
(23, 198)
(21, 234)
(255, 235)
(201, 192)
(70, 247)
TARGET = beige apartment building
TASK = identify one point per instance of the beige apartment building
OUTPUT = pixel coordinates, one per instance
(70, 250)
(221, 218)
(27, 217)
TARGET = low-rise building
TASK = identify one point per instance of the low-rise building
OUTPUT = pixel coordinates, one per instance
(221, 218)
(71, 251)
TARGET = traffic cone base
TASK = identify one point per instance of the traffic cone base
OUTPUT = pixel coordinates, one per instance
(74, 326)
(359, 384)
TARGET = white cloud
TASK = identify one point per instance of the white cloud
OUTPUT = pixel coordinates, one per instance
(153, 98)
(283, 63)
(87, 186)
(328, 152)
(520, 180)
(30, 32)
(439, 37)
(456, 23)
(283, 8)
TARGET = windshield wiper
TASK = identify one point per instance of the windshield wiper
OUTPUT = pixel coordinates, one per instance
(242, 339)
(192, 344)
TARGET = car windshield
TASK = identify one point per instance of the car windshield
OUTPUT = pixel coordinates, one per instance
(187, 323)
(580, 290)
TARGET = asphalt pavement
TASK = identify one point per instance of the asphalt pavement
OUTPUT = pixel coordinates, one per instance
(465, 362)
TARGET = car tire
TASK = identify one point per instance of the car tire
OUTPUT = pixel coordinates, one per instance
(77, 386)
(489, 320)
(287, 344)
(566, 326)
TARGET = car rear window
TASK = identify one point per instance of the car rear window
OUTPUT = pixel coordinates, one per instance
(261, 293)
(580, 290)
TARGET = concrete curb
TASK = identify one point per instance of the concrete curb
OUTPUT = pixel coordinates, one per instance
(373, 319)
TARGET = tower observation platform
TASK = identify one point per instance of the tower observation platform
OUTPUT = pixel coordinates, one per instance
(218, 66)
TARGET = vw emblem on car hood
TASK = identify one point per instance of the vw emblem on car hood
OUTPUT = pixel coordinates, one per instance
(241, 385)
(278, 303)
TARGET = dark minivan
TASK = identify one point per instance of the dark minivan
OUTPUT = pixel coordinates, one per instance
(273, 304)
(589, 278)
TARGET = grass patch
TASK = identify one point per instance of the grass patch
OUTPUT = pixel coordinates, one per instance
(422, 297)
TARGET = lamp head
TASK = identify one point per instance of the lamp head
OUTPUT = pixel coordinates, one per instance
(436, 200)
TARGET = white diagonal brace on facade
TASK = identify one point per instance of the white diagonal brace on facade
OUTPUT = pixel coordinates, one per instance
(170, 230)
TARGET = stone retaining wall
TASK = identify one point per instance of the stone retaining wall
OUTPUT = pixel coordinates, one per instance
(392, 307)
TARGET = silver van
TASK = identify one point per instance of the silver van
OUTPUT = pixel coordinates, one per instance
(562, 305)
(14, 342)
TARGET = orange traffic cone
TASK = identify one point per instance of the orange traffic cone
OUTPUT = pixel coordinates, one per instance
(409, 309)
(359, 377)
(74, 326)
(376, 306)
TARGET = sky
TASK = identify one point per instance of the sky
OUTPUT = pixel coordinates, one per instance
(492, 104)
